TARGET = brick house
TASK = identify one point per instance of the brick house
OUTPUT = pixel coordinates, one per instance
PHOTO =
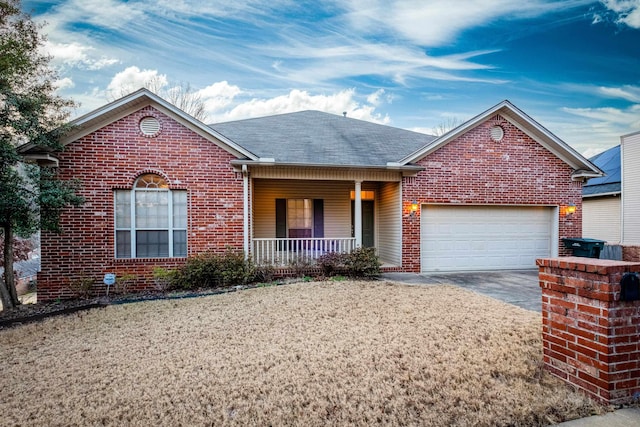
(160, 186)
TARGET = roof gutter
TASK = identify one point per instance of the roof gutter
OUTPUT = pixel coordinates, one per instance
(42, 159)
(612, 193)
(272, 162)
(583, 175)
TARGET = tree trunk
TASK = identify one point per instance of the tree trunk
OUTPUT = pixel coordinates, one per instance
(8, 287)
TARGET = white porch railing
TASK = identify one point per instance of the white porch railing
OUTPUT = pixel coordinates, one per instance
(283, 251)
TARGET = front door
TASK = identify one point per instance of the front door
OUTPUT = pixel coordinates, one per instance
(368, 237)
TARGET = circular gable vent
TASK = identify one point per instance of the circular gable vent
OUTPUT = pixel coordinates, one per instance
(149, 126)
(497, 133)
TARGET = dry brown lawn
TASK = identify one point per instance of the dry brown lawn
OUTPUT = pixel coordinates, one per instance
(327, 353)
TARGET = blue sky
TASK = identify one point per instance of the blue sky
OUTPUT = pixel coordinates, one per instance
(573, 65)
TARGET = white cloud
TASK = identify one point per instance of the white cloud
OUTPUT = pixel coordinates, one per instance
(110, 14)
(298, 100)
(626, 11)
(217, 7)
(64, 83)
(218, 96)
(438, 22)
(629, 117)
(627, 92)
(312, 60)
(133, 78)
(597, 129)
(374, 98)
(77, 55)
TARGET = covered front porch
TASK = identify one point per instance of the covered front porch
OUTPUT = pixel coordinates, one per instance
(295, 220)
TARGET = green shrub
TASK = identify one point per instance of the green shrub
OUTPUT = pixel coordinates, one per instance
(81, 287)
(363, 262)
(211, 270)
(198, 271)
(235, 269)
(163, 278)
(124, 282)
(333, 262)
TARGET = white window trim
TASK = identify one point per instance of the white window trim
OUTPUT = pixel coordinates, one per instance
(133, 229)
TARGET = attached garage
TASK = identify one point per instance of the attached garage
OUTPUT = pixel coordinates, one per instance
(459, 238)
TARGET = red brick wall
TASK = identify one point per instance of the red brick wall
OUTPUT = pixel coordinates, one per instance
(631, 253)
(474, 169)
(590, 338)
(112, 158)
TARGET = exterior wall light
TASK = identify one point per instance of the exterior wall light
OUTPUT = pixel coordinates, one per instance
(568, 210)
(414, 207)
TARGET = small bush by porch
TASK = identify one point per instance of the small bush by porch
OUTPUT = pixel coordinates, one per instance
(211, 270)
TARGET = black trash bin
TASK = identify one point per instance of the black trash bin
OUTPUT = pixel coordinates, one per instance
(588, 248)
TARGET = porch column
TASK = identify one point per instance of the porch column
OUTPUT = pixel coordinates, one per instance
(357, 214)
(245, 222)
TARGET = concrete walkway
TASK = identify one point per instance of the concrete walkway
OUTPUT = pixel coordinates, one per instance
(627, 417)
(519, 288)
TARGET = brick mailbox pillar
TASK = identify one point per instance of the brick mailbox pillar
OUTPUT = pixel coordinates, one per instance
(591, 339)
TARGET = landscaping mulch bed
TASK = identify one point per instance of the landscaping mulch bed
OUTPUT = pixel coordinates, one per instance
(27, 313)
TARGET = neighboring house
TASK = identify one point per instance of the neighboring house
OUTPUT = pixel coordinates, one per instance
(630, 154)
(160, 186)
(601, 199)
(611, 203)
(26, 272)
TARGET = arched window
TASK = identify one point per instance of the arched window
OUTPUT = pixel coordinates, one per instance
(151, 220)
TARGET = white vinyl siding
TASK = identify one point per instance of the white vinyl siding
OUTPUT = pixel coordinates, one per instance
(337, 204)
(630, 157)
(485, 237)
(601, 218)
(389, 226)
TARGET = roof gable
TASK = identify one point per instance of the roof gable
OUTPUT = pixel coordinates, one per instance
(582, 167)
(322, 139)
(135, 101)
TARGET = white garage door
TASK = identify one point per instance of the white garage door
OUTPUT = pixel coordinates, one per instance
(484, 237)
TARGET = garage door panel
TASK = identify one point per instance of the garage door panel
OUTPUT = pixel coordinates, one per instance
(484, 237)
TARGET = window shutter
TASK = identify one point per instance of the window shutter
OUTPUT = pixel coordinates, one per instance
(281, 218)
(318, 218)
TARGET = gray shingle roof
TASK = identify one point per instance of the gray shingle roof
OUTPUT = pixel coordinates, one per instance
(609, 162)
(314, 137)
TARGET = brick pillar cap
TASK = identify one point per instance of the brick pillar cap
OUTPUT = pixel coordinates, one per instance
(594, 265)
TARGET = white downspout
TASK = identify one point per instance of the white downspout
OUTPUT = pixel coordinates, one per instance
(245, 225)
(622, 193)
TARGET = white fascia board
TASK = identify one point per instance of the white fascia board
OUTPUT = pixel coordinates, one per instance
(523, 122)
(582, 166)
(452, 134)
(118, 109)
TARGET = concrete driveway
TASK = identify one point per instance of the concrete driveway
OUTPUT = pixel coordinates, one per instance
(519, 287)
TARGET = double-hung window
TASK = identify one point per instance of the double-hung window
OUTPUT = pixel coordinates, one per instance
(151, 220)
(299, 218)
